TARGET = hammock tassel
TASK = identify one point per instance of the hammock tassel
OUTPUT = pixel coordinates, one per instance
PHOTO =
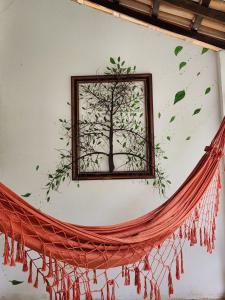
(12, 263)
(77, 289)
(69, 285)
(95, 281)
(56, 274)
(205, 237)
(196, 214)
(6, 251)
(44, 265)
(193, 234)
(181, 262)
(145, 288)
(180, 233)
(127, 276)
(88, 289)
(30, 279)
(200, 233)
(123, 273)
(189, 234)
(19, 253)
(157, 293)
(49, 290)
(185, 231)
(102, 295)
(25, 265)
(108, 292)
(137, 281)
(36, 280)
(50, 268)
(113, 297)
(209, 246)
(170, 284)
(177, 268)
(151, 290)
(147, 266)
(88, 296)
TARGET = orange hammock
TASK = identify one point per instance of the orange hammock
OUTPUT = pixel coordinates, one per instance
(74, 260)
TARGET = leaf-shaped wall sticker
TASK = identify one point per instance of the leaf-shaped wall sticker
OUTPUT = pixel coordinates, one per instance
(188, 138)
(159, 115)
(112, 61)
(168, 138)
(179, 96)
(26, 195)
(198, 73)
(197, 111)
(204, 50)
(37, 167)
(182, 64)
(15, 282)
(172, 119)
(207, 90)
(177, 50)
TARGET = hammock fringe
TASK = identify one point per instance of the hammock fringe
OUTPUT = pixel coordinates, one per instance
(74, 261)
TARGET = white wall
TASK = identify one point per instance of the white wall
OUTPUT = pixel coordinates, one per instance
(42, 44)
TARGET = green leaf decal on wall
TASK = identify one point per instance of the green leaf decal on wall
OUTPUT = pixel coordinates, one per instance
(37, 167)
(179, 96)
(159, 115)
(172, 119)
(168, 138)
(198, 73)
(204, 50)
(15, 282)
(177, 50)
(26, 195)
(182, 64)
(188, 138)
(197, 111)
(112, 61)
(207, 90)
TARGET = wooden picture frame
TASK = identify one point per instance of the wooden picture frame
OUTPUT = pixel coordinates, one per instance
(98, 123)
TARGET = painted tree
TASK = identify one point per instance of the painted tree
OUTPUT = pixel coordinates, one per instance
(112, 127)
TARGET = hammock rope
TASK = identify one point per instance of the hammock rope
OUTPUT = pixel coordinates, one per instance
(74, 260)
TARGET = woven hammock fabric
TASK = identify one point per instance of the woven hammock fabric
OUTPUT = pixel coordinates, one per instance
(74, 260)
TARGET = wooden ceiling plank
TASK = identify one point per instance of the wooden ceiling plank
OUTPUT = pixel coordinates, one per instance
(218, 4)
(176, 11)
(214, 25)
(199, 10)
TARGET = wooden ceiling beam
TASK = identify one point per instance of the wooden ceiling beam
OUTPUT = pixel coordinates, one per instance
(159, 23)
(197, 9)
(155, 8)
(198, 19)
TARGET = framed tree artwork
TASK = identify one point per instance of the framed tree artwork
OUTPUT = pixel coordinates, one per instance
(112, 127)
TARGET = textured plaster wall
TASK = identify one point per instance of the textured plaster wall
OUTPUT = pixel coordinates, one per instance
(43, 43)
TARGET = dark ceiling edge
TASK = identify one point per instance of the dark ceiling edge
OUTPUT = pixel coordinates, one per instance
(159, 23)
(199, 9)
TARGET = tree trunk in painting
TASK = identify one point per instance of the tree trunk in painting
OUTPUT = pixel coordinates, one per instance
(111, 162)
